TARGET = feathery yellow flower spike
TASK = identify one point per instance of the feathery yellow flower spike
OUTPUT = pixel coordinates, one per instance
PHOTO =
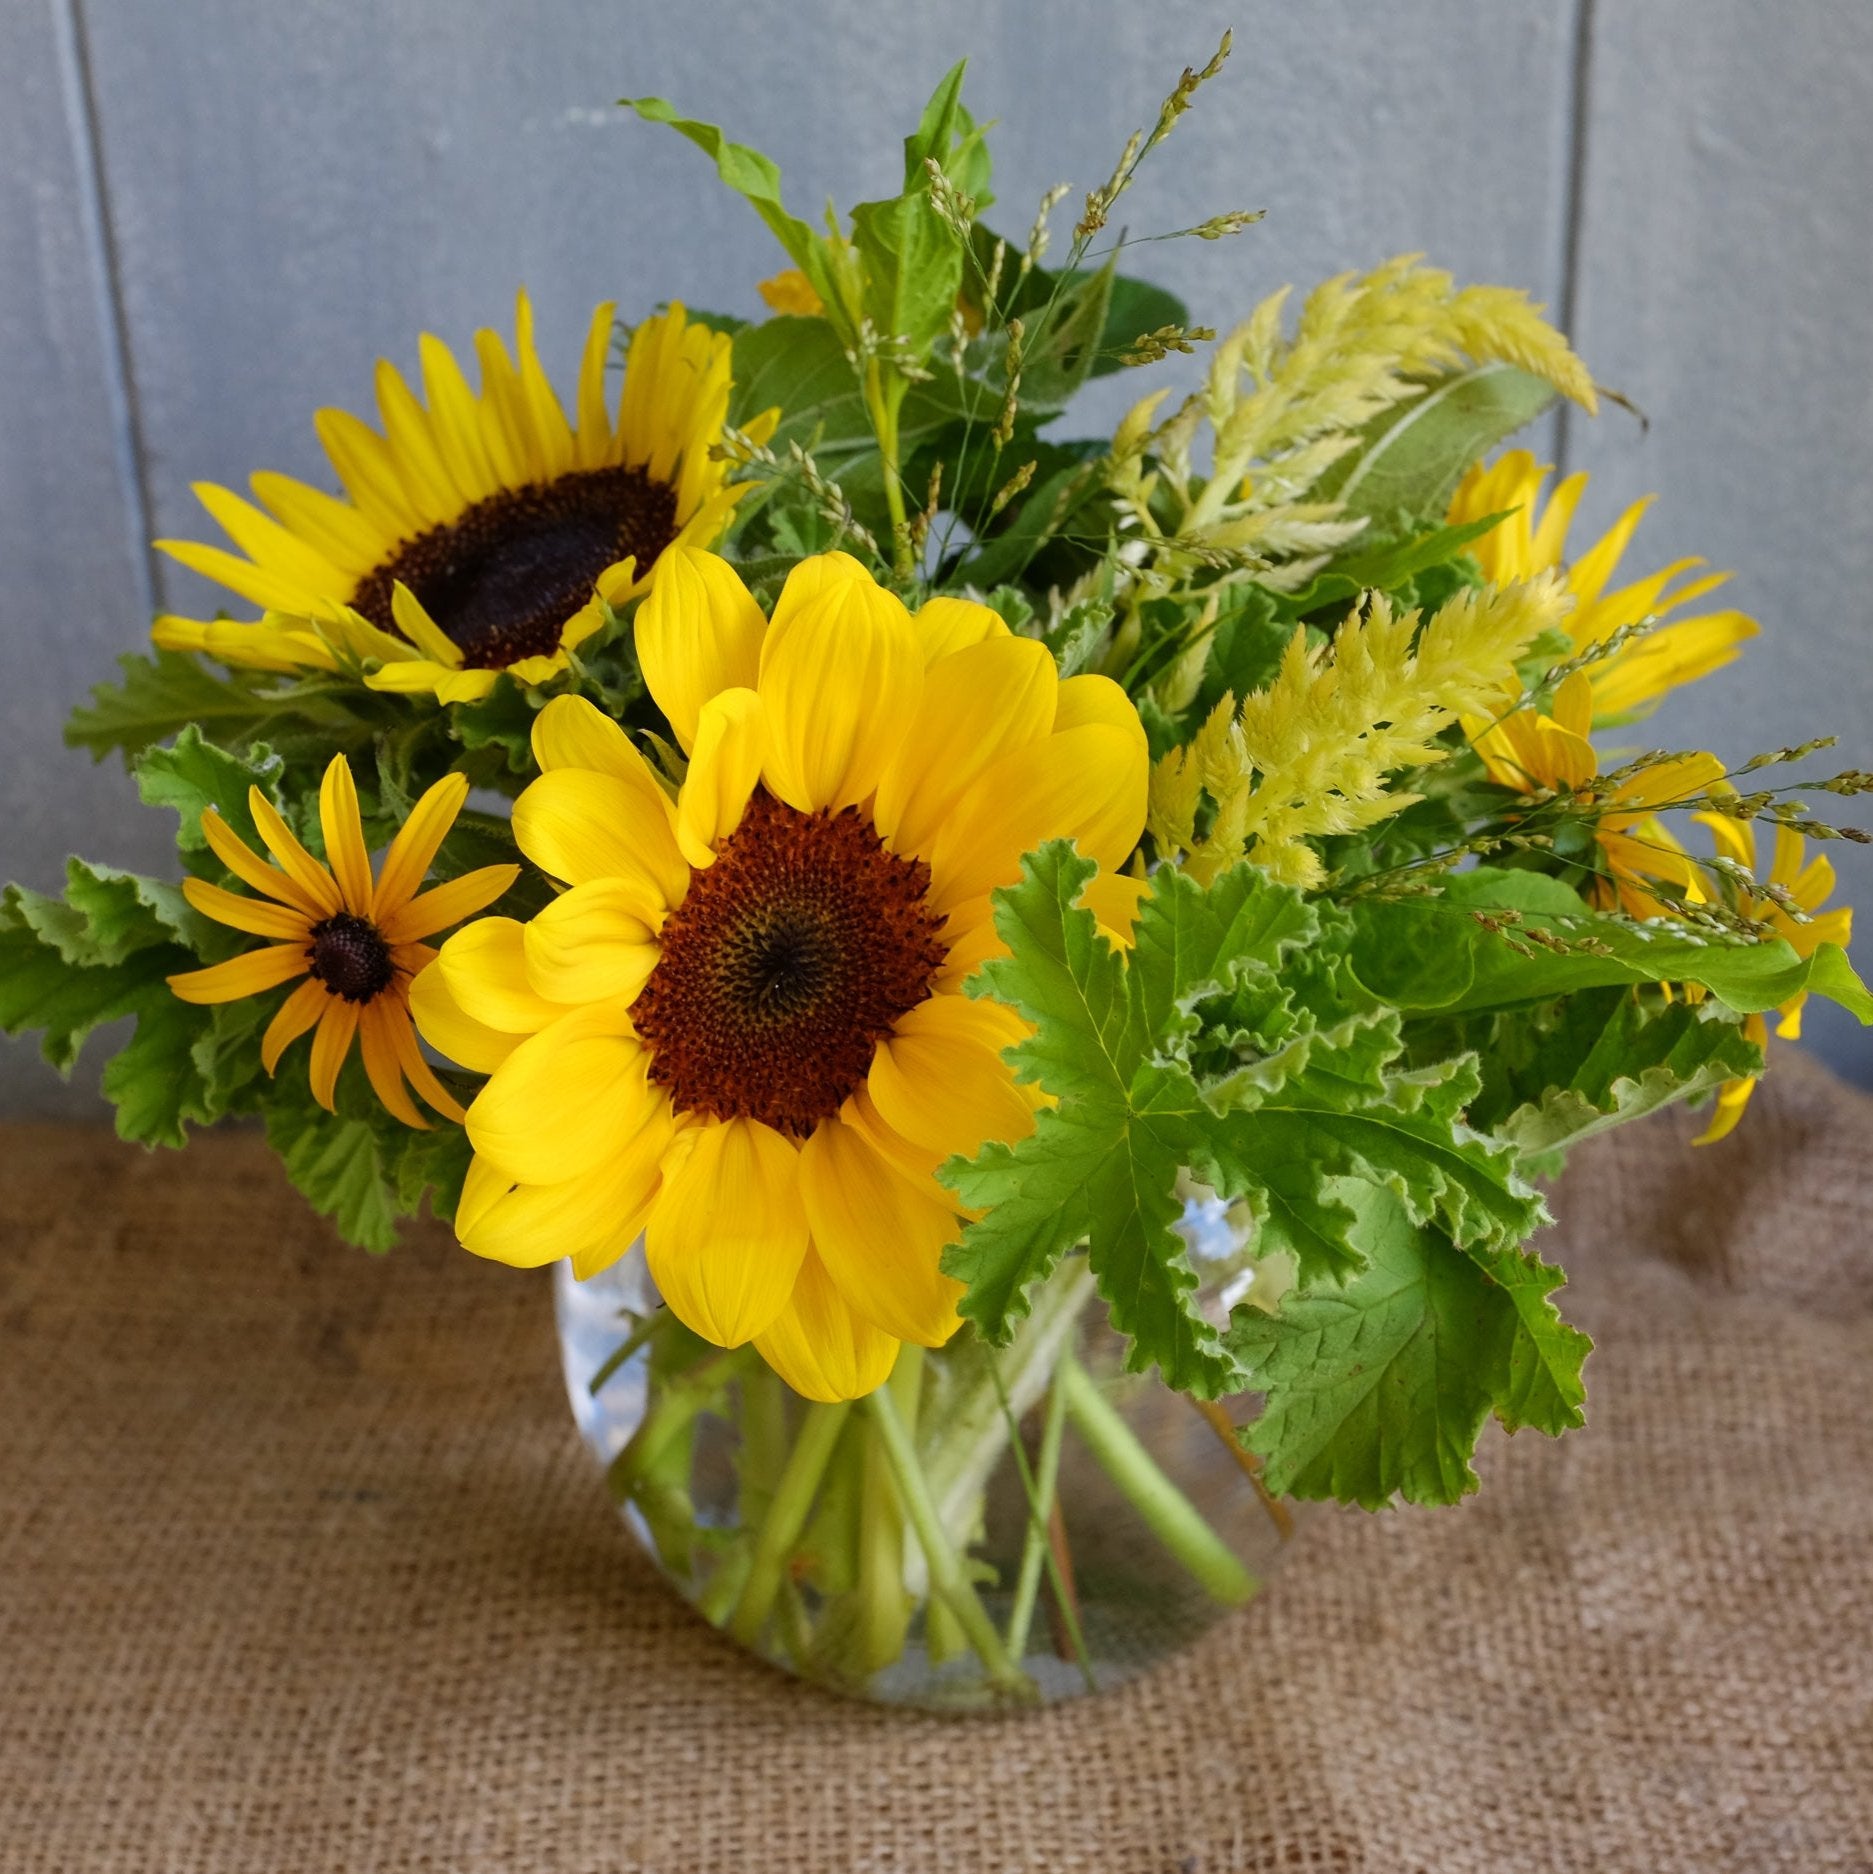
(357, 941)
(741, 1029)
(1810, 883)
(1531, 752)
(479, 533)
(1532, 540)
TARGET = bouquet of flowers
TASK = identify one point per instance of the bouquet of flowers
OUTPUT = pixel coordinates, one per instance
(953, 916)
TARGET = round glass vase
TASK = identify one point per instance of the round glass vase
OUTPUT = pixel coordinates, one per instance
(995, 1527)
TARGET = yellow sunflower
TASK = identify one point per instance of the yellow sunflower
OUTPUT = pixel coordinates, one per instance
(1533, 752)
(741, 1029)
(1630, 682)
(1810, 883)
(356, 940)
(478, 533)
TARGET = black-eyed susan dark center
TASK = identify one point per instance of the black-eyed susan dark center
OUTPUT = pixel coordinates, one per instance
(784, 967)
(502, 578)
(350, 957)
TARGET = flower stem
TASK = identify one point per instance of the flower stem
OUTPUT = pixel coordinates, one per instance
(640, 1336)
(1171, 1516)
(947, 1576)
(1034, 1546)
(884, 1606)
(786, 1517)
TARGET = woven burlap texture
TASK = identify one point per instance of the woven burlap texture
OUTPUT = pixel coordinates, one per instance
(303, 1568)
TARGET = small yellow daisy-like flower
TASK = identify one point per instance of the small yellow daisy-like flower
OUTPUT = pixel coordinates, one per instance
(478, 533)
(1527, 542)
(741, 1029)
(1810, 883)
(1532, 752)
(356, 940)
(792, 293)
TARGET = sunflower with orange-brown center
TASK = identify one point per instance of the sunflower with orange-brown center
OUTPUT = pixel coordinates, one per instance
(479, 532)
(741, 1029)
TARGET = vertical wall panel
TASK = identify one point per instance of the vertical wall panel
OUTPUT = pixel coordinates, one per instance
(1726, 284)
(72, 583)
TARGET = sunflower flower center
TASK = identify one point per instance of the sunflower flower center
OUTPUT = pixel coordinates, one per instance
(350, 957)
(787, 963)
(502, 578)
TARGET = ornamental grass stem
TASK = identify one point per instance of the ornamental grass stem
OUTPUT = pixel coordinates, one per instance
(1170, 1515)
(1034, 1546)
(947, 1576)
(786, 1517)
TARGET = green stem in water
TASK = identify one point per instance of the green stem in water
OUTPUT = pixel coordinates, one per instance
(1035, 1547)
(947, 1576)
(884, 1606)
(1171, 1516)
(786, 1517)
(640, 1336)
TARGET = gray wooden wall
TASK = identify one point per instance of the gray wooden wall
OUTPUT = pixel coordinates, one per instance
(216, 214)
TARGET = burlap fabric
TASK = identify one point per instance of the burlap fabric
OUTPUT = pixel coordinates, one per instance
(302, 1568)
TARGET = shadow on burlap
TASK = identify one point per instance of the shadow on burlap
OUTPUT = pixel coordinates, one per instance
(303, 1568)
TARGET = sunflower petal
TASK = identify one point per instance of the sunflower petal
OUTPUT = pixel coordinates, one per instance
(485, 968)
(728, 1231)
(724, 770)
(450, 1031)
(880, 1236)
(841, 674)
(945, 626)
(579, 826)
(940, 1081)
(592, 943)
(820, 1346)
(563, 1099)
(698, 633)
(593, 1219)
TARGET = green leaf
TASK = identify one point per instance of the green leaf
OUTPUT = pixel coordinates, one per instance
(157, 696)
(193, 775)
(123, 912)
(154, 1082)
(1380, 1388)
(1414, 454)
(912, 259)
(338, 1162)
(1598, 1059)
(947, 133)
(750, 174)
(1430, 953)
(499, 725)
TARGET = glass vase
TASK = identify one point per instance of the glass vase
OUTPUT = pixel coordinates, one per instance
(995, 1527)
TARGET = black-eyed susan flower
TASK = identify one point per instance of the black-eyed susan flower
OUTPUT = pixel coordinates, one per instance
(1808, 884)
(357, 941)
(478, 532)
(1535, 752)
(741, 1028)
(1532, 539)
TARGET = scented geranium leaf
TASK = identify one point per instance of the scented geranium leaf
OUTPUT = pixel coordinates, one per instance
(1600, 1058)
(1379, 1388)
(433, 1165)
(1431, 953)
(41, 988)
(1537, 1381)
(160, 695)
(124, 912)
(340, 1163)
(155, 1083)
(192, 775)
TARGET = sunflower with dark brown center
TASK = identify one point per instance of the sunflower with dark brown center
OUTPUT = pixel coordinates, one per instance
(477, 533)
(740, 1030)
